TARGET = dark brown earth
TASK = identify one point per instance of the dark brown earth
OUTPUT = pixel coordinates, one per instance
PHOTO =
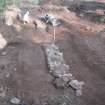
(83, 45)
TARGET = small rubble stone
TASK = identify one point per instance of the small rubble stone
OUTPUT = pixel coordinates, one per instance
(4, 53)
(60, 70)
(7, 75)
(67, 77)
(59, 83)
(15, 69)
(3, 91)
(63, 100)
(15, 101)
(77, 86)
(78, 92)
(26, 17)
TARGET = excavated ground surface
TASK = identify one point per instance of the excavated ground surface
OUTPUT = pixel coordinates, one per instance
(24, 72)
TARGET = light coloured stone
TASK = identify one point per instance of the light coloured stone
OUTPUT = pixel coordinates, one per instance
(67, 77)
(26, 17)
(77, 86)
(3, 92)
(15, 101)
(7, 75)
(78, 92)
(11, 15)
(3, 42)
(4, 53)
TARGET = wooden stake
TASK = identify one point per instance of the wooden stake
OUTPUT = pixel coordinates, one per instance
(54, 35)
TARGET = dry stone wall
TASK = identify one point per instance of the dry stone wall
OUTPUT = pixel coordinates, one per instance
(60, 70)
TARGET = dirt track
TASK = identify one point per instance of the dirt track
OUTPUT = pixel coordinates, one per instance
(25, 62)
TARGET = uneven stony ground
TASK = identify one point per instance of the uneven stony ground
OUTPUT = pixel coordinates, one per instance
(23, 66)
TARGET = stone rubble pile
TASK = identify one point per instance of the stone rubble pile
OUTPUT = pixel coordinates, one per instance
(60, 70)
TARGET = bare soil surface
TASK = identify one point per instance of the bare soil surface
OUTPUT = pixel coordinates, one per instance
(23, 69)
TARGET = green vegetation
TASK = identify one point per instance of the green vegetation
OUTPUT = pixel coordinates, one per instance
(37, 1)
(13, 2)
(17, 3)
(4, 3)
(2, 7)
